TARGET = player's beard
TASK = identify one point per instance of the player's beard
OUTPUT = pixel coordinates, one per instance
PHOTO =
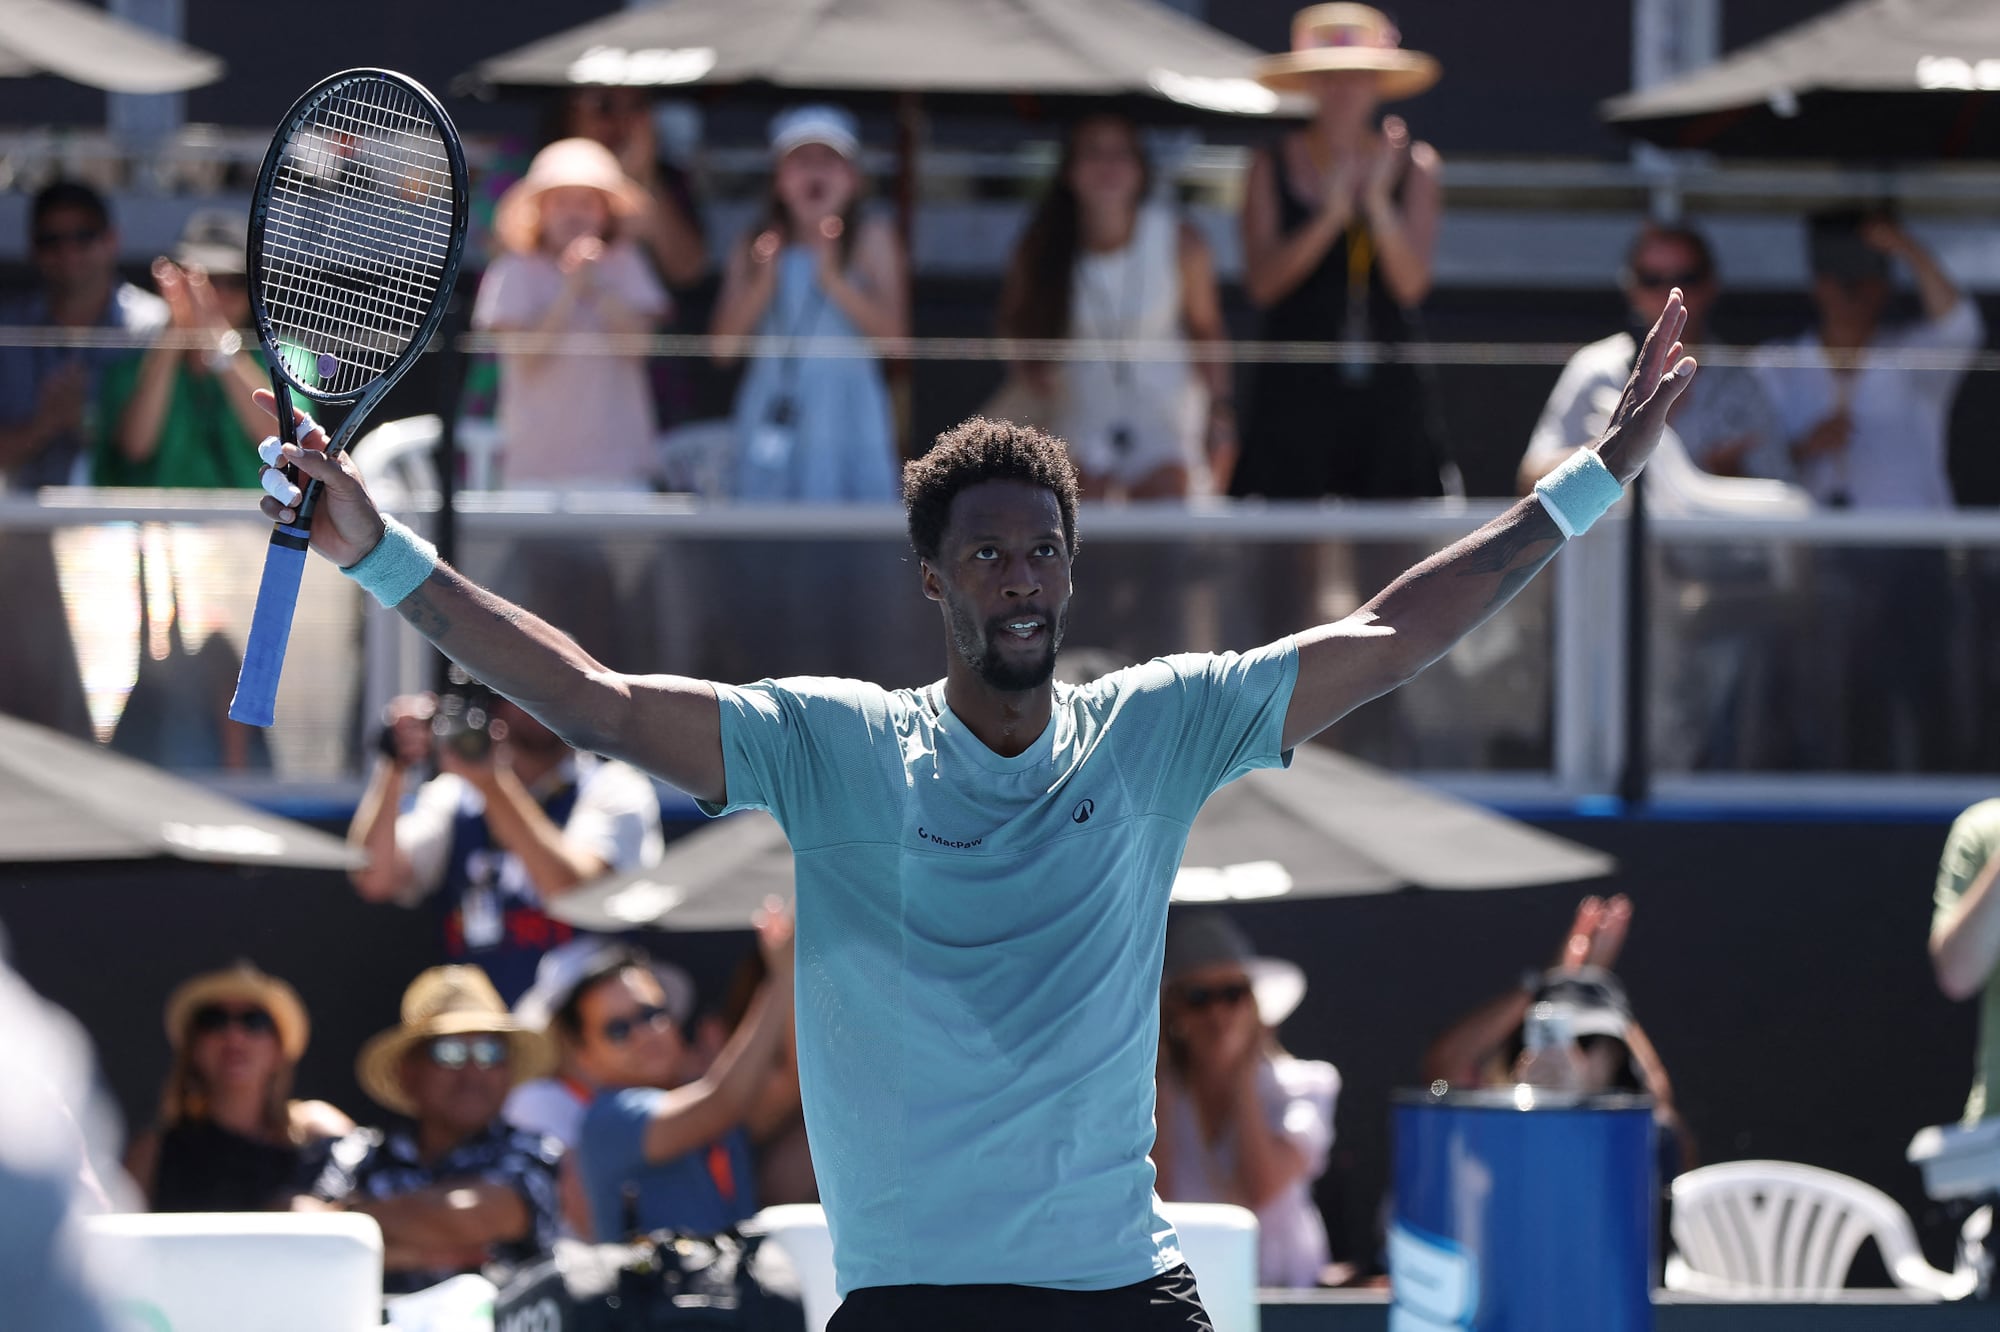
(980, 650)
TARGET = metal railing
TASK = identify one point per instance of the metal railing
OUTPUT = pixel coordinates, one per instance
(1526, 712)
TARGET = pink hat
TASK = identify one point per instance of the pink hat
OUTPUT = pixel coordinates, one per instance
(584, 163)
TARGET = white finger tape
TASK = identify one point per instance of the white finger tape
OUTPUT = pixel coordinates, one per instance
(280, 489)
(303, 428)
(268, 450)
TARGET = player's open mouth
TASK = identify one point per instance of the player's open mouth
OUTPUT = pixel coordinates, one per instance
(1027, 631)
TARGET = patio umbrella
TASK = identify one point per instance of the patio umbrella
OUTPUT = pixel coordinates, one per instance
(67, 800)
(1330, 826)
(1884, 80)
(1002, 50)
(87, 45)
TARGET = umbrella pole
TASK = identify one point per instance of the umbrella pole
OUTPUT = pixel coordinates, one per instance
(909, 133)
(1635, 780)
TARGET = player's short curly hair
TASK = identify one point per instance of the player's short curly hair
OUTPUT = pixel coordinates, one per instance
(979, 450)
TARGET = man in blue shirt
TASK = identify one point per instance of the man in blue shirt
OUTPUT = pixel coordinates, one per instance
(984, 864)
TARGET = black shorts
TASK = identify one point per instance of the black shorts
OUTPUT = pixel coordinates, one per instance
(1166, 1303)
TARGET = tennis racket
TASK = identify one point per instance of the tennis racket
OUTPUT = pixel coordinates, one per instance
(356, 231)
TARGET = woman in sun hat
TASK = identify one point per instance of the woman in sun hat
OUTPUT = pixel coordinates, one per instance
(1339, 223)
(579, 419)
(809, 426)
(1239, 1120)
(229, 1137)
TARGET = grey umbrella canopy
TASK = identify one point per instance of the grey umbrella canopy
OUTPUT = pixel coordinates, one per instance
(1098, 49)
(1886, 80)
(89, 46)
(66, 800)
(1331, 826)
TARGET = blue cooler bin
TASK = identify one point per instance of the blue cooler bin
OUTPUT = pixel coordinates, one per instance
(1519, 1210)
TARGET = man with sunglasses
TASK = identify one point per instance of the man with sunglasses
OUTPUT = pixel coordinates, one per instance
(652, 1155)
(45, 392)
(453, 1187)
(1725, 423)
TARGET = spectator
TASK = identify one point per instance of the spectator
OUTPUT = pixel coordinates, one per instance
(553, 1106)
(1239, 1120)
(580, 419)
(621, 119)
(811, 425)
(1860, 429)
(230, 1138)
(1486, 1046)
(1726, 424)
(513, 818)
(46, 392)
(182, 416)
(653, 1156)
(776, 1124)
(454, 1188)
(1965, 942)
(1339, 223)
(1099, 262)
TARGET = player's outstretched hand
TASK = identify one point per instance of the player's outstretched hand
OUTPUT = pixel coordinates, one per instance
(1660, 375)
(346, 524)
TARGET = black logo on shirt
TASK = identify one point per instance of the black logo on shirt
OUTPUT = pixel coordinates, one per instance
(929, 836)
(1084, 809)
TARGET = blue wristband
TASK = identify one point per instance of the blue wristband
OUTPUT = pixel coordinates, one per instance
(398, 565)
(1579, 492)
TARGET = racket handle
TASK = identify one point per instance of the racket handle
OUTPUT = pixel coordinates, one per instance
(256, 701)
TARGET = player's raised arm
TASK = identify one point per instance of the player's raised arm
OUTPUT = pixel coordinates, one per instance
(1418, 618)
(667, 724)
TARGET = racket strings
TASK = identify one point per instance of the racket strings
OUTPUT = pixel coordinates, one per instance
(357, 233)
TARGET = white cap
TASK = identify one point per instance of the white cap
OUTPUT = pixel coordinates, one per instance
(817, 123)
(563, 967)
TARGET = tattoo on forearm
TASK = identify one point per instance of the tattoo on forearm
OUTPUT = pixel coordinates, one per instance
(423, 615)
(1516, 553)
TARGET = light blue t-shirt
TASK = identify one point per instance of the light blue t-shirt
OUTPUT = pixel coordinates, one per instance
(701, 1192)
(978, 956)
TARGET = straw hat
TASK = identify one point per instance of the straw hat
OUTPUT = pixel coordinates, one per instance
(564, 163)
(1335, 37)
(447, 1001)
(240, 984)
(1201, 939)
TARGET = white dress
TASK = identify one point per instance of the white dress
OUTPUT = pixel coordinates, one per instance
(1127, 419)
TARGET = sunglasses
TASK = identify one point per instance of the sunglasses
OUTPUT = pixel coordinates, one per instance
(1651, 279)
(619, 1030)
(81, 236)
(211, 1018)
(455, 1052)
(1207, 996)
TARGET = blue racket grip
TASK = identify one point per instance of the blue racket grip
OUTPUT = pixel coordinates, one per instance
(256, 701)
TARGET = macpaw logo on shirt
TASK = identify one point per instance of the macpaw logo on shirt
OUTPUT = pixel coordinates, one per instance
(930, 836)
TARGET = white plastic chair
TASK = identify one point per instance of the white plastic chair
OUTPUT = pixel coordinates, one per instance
(1778, 1230)
(400, 454)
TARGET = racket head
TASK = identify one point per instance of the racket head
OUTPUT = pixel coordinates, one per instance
(357, 227)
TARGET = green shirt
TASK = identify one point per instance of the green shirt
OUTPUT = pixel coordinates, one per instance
(201, 446)
(1974, 840)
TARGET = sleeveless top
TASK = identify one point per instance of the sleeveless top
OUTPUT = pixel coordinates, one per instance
(1128, 418)
(1359, 430)
(207, 1168)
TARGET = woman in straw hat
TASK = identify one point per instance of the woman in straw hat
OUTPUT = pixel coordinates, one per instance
(1339, 222)
(579, 419)
(229, 1137)
(1240, 1121)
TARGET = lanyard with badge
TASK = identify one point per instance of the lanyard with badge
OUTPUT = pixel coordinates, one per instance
(773, 437)
(1122, 295)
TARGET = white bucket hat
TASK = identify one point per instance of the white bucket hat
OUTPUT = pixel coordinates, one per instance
(1199, 939)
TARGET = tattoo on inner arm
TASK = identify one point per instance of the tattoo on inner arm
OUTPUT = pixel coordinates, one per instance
(424, 616)
(1516, 553)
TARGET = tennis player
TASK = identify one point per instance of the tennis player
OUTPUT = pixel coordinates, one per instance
(984, 864)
